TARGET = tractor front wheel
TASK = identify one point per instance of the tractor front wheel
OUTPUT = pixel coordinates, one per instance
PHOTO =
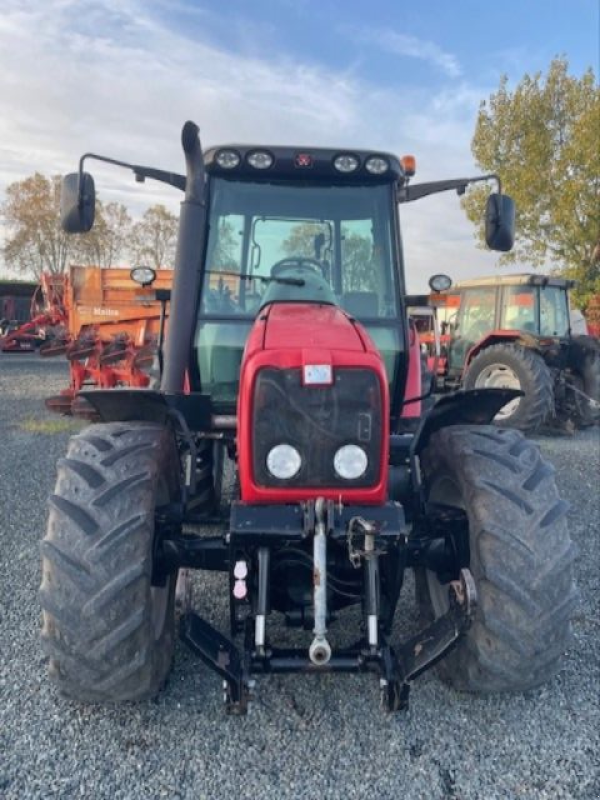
(515, 367)
(107, 630)
(519, 553)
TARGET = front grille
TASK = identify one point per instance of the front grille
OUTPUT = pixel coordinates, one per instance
(317, 421)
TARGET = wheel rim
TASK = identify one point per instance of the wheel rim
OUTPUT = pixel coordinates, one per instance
(500, 376)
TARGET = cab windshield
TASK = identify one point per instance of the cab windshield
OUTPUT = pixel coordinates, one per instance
(330, 243)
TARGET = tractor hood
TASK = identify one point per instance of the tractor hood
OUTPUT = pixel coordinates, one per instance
(312, 377)
(312, 326)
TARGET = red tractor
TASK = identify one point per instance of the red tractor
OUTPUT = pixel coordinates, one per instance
(276, 451)
(515, 332)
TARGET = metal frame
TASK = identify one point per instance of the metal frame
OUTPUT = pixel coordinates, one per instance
(255, 533)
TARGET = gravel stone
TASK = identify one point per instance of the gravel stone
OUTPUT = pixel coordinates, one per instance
(305, 737)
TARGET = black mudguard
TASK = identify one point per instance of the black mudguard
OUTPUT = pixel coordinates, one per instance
(148, 405)
(473, 407)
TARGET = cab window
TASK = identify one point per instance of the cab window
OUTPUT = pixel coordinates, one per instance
(554, 312)
(518, 308)
(477, 313)
(343, 233)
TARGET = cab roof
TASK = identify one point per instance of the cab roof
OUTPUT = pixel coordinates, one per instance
(520, 279)
(303, 163)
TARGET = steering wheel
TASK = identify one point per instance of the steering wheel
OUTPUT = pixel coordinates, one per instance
(300, 263)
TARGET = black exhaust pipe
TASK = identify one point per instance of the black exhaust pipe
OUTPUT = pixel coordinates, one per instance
(188, 262)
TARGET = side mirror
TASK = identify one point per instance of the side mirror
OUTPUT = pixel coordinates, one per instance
(500, 222)
(77, 203)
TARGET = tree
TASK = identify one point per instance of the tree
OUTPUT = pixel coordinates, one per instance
(108, 241)
(35, 241)
(225, 254)
(542, 140)
(357, 253)
(154, 238)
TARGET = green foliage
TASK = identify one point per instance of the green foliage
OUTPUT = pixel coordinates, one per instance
(107, 242)
(154, 238)
(225, 255)
(543, 141)
(35, 242)
(359, 273)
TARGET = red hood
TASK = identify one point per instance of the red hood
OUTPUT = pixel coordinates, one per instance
(309, 326)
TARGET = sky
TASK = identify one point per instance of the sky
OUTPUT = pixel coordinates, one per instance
(120, 77)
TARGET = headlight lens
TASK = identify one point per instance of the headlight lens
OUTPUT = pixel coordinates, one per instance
(227, 159)
(145, 276)
(440, 283)
(283, 461)
(376, 165)
(260, 159)
(346, 163)
(350, 462)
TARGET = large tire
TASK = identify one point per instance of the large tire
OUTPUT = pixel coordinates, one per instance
(515, 366)
(108, 632)
(591, 386)
(520, 555)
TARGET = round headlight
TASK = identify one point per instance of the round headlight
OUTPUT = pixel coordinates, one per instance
(145, 276)
(376, 165)
(260, 159)
(227, 159)
(350, 462)
(346, 163)
(283, 461)
(440, 283)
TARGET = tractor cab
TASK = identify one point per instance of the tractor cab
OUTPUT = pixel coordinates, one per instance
(288, 225)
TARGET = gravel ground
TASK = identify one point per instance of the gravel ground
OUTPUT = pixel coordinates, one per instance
(304, 737)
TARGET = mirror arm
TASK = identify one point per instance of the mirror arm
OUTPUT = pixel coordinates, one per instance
(141, 173)
(406, 194)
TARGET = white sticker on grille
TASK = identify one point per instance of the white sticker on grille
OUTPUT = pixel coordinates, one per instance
(318, 374)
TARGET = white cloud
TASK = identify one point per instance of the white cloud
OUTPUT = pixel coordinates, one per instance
(401, 44)
(114, 78)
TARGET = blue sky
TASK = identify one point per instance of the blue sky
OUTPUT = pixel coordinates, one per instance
(405, 42)
(121, 76)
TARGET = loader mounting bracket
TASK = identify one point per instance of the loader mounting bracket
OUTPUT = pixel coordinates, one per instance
(397, 668)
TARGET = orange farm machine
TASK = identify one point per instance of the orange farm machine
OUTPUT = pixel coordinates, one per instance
(106, 324)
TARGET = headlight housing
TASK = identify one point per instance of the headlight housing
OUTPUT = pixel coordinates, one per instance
(260, 159)
(350, 462)
(227, 159)
(376, 165)
(283, 461)
(145, 276)
(346, 162)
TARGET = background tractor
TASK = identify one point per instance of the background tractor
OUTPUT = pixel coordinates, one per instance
(515, 331)
(289, 363)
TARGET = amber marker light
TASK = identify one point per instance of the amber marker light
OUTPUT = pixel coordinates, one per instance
(409, 165)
